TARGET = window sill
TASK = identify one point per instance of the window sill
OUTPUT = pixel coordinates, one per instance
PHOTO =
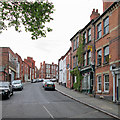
(98, 39)
(105, 92)
(105, 35)
(74, 50)
(99, 66)
(105, 64)
(88, 42)
(99, 92)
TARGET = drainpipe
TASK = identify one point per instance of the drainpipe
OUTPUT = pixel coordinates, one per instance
(94, 81)
(113, 74)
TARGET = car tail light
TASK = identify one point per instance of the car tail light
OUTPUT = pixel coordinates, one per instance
(54, 85)
(45, 85)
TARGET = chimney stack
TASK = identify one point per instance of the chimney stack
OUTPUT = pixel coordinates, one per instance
(94, 14)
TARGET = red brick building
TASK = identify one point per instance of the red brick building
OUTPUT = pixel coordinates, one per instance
(19, 69)
(48, 71)
(68, 68)
(74, 58)
(7, 64)
(31, 68)
(25, 68)
(107, 42)
(102, 36)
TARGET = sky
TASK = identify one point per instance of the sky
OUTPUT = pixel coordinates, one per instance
(69, 17)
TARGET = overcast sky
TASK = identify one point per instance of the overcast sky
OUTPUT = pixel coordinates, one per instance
(69, 17)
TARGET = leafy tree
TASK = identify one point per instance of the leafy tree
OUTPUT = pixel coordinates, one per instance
(33, 15)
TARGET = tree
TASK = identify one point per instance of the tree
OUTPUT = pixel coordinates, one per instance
(33, 15)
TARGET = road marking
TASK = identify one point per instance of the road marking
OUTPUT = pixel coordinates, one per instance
(48, 112)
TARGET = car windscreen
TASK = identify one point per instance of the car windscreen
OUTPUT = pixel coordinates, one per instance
(3, 84)
(46, 80)
(16, 82)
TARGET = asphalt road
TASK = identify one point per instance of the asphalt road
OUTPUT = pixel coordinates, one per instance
(35, 102)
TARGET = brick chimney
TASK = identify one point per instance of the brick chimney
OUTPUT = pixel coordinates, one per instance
(43, 62)
(94, 14)
(106, 4)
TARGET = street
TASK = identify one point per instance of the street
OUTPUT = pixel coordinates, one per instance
(35, 102)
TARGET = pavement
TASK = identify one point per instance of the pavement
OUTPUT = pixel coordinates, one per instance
(102, 105)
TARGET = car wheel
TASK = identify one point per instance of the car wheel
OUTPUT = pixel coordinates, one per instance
(8, 97)
(12, 92)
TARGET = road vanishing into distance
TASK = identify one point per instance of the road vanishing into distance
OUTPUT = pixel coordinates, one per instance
(35, 102)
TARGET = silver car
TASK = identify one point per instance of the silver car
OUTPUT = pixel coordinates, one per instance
(6, 90)
(17, 84)
(44, 81)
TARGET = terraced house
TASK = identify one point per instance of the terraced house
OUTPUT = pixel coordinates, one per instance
(48, 71)
(101, 53)
(107, 42)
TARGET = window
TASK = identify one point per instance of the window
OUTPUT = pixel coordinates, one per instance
(74, 45)
(77, 42)
(99, 57)
(99, 31)
(74, 62)
(89, 58)
(106, 54)
(89, 35)
(84, 60)
(84, 38)
(106, 25)
(99, 84)
(106, 83)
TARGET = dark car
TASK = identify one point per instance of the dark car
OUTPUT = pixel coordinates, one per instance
(39, 80)
(6, 90)
(34, 81)
(49, 85)
(17, 85)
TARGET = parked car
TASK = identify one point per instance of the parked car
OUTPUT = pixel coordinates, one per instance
(53, 80)
(6, 90)
(17, 85)
(40, 80)
(44, 81)
(33, 81)
(49, 85)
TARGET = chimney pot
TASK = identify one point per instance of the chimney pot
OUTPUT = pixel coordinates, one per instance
(96, 10)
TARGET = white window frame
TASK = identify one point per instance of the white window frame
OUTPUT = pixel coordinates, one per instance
(89, 35)
(99, 83)
(105, 83)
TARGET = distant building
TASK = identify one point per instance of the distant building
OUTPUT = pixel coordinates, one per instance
(48, 71)
(64, 64)
(19, 69)
(31, 68)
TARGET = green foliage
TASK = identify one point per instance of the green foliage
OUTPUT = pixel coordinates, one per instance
(33, 15)
(76, 72)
